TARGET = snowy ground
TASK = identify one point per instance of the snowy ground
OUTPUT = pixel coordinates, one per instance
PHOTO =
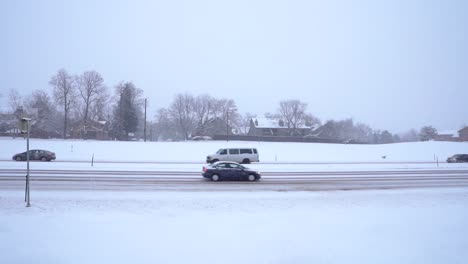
(392, 226)
(79, 150)
(190, 156)
(382, 226)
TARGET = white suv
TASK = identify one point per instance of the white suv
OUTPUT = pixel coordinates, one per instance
(240, 155)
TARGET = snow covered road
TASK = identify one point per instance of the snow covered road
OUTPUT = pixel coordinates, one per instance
(272, 181)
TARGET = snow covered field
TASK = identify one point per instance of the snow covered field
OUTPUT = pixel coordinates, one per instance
(392, 226)
(190, 156)
(80, 150)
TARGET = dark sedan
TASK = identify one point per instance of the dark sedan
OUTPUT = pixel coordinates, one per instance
(225, 170)
(458, 158)
(35, 154)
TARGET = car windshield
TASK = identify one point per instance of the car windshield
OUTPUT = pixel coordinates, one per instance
(221, 151)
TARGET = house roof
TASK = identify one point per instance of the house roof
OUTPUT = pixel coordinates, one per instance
(465, 129)
(448, 132)
(265, 122)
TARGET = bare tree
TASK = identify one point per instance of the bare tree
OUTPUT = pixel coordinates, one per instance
(15, 100)
(204, 108)
(163, 127)
(64, 91)
(244, 124)
(91, 90)
(181, 110)
(227, 110)
(293, 114)
(40, 107)
(311, 121)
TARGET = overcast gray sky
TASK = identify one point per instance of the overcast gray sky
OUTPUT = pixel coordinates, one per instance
(395, 65)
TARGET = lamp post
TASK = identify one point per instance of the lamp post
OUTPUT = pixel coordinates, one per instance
(25, 125)
(227, 125)
(144, 132)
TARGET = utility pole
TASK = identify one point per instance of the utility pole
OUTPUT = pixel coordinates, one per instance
(145, 120)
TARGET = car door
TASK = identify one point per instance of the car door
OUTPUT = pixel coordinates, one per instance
(34, 155)
(237, 172)
(223, 170)
(223, 154)
(464, 158)
(234, 155)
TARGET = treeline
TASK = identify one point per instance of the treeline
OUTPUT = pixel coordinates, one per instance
(81, 105)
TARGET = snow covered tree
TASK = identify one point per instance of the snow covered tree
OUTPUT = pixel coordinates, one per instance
(427, 133)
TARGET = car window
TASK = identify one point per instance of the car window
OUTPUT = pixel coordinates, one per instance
(222, 166)
(235, 166)
(245, 151)
(255, 151)
(234, 151)
(222, 152)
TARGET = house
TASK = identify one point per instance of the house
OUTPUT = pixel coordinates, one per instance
(449, 135)
(463, 134)
(275, 127)
(452, 135)
(93, 130)
(9, 122)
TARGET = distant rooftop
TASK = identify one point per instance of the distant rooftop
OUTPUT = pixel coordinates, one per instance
(452, 132)
(264, 122)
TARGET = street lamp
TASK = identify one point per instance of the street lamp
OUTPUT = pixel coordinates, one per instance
(25, 127)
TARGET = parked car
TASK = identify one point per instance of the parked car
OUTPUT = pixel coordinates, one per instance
(230, 171)
(35, 154)
(458, 158)
(240, 155)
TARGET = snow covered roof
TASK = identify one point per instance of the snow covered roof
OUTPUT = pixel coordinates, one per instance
(265, 122)
(448, 132)
(13, 130)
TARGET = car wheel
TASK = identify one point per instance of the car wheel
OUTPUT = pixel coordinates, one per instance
(19, 158)
(246, 161)
(43, 159)
(215, 177)
(251, 177)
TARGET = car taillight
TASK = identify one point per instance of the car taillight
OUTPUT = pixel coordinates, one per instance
(204, 169)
